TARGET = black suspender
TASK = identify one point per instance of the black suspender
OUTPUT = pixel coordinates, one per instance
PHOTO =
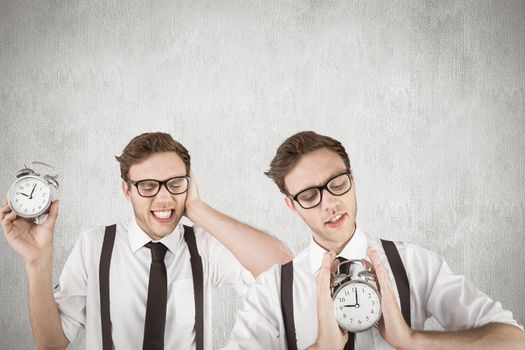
(400, 277)
(196, 269)
(287, 304)
(103, 275)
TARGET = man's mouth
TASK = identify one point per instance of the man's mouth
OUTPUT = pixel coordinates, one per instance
(162, 215)
(336, 220)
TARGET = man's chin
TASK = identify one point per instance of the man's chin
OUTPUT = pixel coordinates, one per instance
(162, 230)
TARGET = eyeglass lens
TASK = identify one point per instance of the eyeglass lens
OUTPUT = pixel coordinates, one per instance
(339, 185)
(149, 188)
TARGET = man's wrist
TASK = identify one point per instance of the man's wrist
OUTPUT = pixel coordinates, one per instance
(41, 268)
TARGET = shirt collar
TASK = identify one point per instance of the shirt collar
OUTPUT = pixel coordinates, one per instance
(354, 249)
(138, 238)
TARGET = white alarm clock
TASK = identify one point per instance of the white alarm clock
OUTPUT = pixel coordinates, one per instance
(31, 195)
(357, 301)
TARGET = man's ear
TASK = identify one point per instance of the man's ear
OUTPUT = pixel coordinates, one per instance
(290, 204)
(125, 190)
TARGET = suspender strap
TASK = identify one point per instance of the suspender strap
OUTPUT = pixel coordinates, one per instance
(287, 304)
(105, 261)
(196, 269)
(400, 275)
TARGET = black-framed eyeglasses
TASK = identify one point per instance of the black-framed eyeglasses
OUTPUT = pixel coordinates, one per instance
(312, 196)
(149, 187)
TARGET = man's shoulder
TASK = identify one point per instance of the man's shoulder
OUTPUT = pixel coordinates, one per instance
(94, 236)
(203, 239)
(403, 247)
(412, 254)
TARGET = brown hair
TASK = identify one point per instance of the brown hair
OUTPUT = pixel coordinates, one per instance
(296, 146)
(144, 145)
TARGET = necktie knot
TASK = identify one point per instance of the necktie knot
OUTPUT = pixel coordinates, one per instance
(158, 251)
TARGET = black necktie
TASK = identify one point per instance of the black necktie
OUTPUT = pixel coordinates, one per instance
(350, 343)
(157, 297)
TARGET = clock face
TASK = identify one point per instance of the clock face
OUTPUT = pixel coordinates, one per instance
(357, 306)
(29, 196)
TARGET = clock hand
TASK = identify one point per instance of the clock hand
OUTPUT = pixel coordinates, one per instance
(31, 194)
(356, 300)
(23, 194)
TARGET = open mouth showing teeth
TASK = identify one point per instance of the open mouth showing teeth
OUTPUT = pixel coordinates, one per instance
(162, 214)
(335, 218)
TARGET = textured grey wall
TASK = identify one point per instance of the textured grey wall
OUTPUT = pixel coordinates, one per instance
(428, 97)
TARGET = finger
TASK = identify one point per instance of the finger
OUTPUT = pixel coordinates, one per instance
(383, 276)
(7, 222)
(323, 277)
(53, 213)
(6, 209)
(334, 265)
(345, 336)
(328, 258)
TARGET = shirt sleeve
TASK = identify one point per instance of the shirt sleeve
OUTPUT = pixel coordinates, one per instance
(222, 266)
(258, 322)
(70, 293)
(454, 301)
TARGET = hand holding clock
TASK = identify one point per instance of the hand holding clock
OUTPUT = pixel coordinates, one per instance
(330, 335)
(392, 326)
(31, 241)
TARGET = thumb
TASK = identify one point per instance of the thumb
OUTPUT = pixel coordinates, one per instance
(52, 216)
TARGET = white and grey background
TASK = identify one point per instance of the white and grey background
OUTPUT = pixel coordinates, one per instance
(427, 96)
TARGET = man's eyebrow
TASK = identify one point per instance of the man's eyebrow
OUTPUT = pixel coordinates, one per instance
(325, 181)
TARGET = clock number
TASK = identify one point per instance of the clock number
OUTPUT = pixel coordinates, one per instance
(369, 295)
(341, 300)
(344, 315)
(367, 318)
(372, 311)
(359, 322)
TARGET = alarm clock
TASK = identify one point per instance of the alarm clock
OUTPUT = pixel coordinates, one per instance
(31, 195)
(357, 301)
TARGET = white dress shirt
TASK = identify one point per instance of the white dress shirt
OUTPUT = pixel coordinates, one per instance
(78, 295)
(434, 291)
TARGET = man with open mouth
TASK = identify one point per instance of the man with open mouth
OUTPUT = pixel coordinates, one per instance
(147, 282)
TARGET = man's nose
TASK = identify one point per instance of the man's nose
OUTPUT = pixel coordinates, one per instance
(329, 201)
(163, 194)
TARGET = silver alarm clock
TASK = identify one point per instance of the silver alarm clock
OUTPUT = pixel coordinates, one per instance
(32, 193)
(357, 301)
